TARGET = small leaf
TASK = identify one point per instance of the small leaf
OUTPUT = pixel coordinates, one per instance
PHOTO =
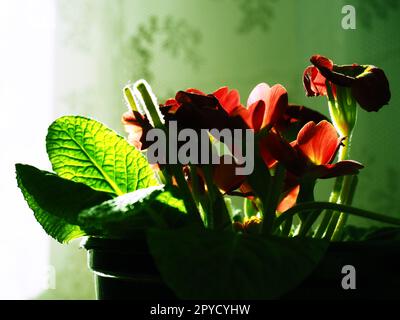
(204, 264)
(123, 216)
(86, 151)
(56, 202)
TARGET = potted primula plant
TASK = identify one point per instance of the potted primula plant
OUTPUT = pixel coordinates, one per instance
(156, 209)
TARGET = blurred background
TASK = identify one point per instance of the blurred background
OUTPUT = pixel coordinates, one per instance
(62, 57)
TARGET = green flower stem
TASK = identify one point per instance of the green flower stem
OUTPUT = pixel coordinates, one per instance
(219, 215)
(332, 225)
(327, 214)
(307, 206)
(199, 197)
(344, 195)
(336, 215)
(130, 98)
(343, 111)
(190, 204)
(195, 184)
(306, 194)
(248, 208)
(344, 151)
(287, 227)
(308, 222)
(150, 104)
(271, 201)
(349, 190)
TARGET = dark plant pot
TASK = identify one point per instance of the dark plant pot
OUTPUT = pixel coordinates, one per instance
(126, 270)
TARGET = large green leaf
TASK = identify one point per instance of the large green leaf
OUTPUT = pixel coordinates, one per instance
(204, 264)
(123, 216)
(84, 150)
(56, 202)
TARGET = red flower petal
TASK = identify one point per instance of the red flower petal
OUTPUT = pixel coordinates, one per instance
(195, 91)
(273, 147)
(253, 115)
(170, 106)
(275, 105)
(275, 99)
(321, 62)
(319, 143)
(260, 92)
(341, 168)
(229, 100)
(328, 70)
(314, 82)
(371, 89)
(197, 100)
(289, 199)
(137, 126)
(295, 117)
(267, 157)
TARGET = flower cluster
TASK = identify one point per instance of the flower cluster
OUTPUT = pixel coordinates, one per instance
(301, 142)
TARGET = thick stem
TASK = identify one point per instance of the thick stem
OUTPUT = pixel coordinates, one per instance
(344, 195)
(343, 111)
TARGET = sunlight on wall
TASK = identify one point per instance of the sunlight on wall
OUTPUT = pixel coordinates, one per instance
(26, 45)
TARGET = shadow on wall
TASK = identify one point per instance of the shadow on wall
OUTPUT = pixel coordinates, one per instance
(368, 10)
(169, 34)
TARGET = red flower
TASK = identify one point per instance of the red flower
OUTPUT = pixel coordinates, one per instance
(314, 81)
(196, 110)
(311, 154)
(294, 118)
(191, 109)
(265, 105)
(369, 85)
(309, 157)
(298, 114)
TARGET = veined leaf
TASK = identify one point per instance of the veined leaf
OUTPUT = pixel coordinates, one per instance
(206, 264)
(56, 202)
(121, 217)
(86, 151)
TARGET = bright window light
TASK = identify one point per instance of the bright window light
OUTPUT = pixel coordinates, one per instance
(27, 30)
